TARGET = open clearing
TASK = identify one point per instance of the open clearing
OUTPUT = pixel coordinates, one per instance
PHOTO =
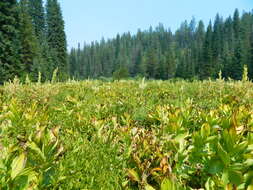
(126, 135)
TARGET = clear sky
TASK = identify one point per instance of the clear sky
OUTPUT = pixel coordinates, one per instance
(90, 20)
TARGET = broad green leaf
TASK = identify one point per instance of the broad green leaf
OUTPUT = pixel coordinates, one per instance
(250, 147)
(235, 177)
(248, 162)
(229, 187)
(133, 175)
(211, 138)
(205, 130)
(125, 183)
(21, 183)
(223, 155)
(181, 140)
(149, 187)
(209, 185)
(39, 135)
(18, 164)
(215, 166)
(35, 148)
(242, 146)
(2, 166)
(249, 178)
(167, 184)
(250, 187)
(225, 177)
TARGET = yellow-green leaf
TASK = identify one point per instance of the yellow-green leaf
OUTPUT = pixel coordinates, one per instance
(149, 187)
(133, 175)
(18, 164)
(167, 184)
(36, 149)
(223, 155)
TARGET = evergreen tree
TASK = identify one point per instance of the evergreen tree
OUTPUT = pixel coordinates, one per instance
(227, 61)
(9, 43)
(207, 65)
(236, 24)
(152, 63)
(29, 45)
(171, 62)
(37, 13)
(181, 68)
(190, 52)
(56, 36)
(217, 43)
(44, 63)
(200, 37)
(251, 55)
(246, 30)
(73, 68)
(237, 66)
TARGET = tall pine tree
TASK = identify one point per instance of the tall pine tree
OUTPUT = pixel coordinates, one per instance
(237, 64)
(29, 45)
(9, 43)
(207, 65)
(56, 36)
(37, 13)
(45, 63)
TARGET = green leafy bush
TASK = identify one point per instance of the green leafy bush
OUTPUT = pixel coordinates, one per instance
(160, 135)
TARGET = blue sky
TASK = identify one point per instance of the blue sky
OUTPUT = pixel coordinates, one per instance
(90, 20)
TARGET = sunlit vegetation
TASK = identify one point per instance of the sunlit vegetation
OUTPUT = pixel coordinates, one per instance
(126, 135)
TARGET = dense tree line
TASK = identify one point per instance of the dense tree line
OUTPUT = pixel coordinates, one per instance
(32, 39)
(193, 51)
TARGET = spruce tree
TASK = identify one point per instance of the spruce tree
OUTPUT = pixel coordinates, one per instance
(227, 61)
(247, 28)
(37, 13)
(237, 65)
(200, 38)
(73, 69)
(190, 52)
(45, 62)
(29, 45)
(236, 24)
(56, 36)
(251, 55)
(9, 43)
(171, 62)
(207, 65)
(217, 43)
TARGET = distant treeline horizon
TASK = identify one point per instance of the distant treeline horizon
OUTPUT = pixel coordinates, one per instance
(192, 51)
(33, 41)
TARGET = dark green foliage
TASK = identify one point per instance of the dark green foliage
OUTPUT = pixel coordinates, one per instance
(121, 73)
(29, 44)
(36, 10)
(237, 66)
(191, 52)
(56, 36)
(44, 62)
(33, 41)
(217, 43)
(207, 66)
(236, 24)
(9, 43)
